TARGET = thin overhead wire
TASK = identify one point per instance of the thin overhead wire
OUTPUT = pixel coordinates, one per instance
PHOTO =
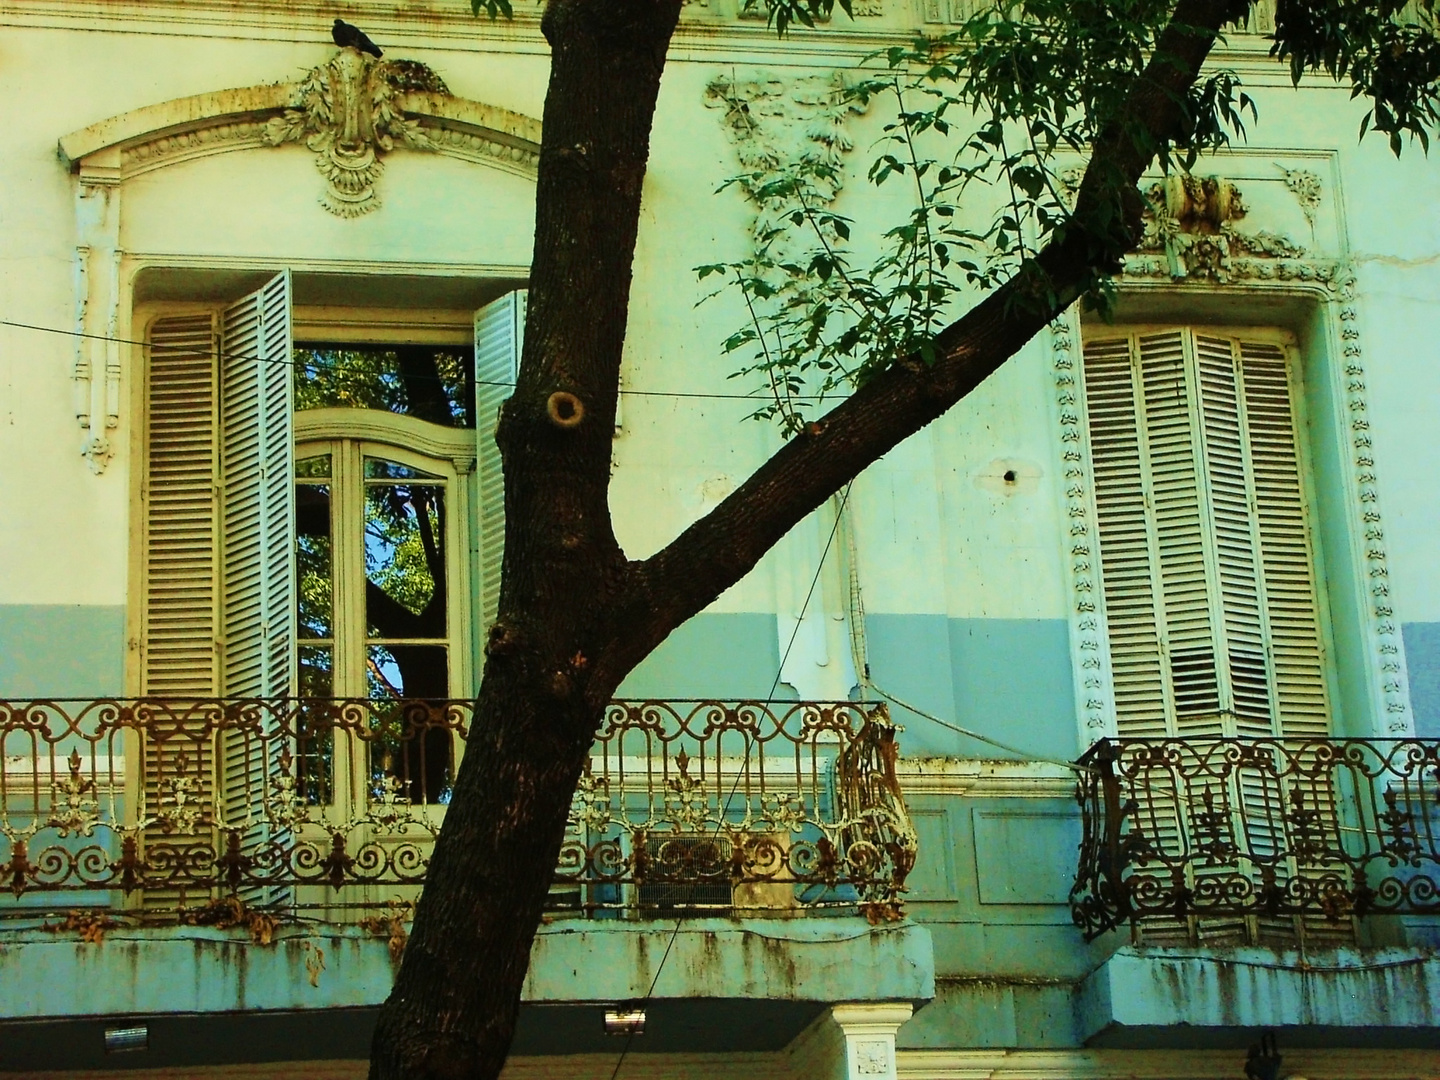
(977, 736)
(754, 398)
(774, 685)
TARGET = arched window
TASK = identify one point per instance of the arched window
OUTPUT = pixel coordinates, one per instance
(323, 518)
(382, 585)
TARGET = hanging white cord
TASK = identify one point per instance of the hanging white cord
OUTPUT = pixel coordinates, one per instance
(860, 653)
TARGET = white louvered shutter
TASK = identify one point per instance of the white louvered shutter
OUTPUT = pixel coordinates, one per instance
(499, 339)
(180, 541)
(1127, 557)
(1175, 493)
(258, 514)
(1206, 566)
(178, 643)
(1287, 562)
(258, 493)
(1291, 621)
(1198, 492)
(1129, 562)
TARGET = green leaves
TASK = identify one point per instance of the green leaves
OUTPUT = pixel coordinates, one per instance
(494, 8)
(1388, 51)
(988, 139)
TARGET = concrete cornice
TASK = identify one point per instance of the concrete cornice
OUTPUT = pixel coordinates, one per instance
(707, 32)
(173, 117)
(1313, 1064)
(985, 779)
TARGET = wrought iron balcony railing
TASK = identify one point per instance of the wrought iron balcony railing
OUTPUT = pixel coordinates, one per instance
(159, 808)
(1262, 828)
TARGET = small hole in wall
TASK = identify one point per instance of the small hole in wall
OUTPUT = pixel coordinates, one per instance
(1009, 477)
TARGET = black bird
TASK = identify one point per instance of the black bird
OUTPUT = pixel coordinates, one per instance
(352, 37)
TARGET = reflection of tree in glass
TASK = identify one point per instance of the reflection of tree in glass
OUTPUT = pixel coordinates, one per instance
(405, 599)
(404, 558)
(315, 744)
(428, 383)
(313, 562)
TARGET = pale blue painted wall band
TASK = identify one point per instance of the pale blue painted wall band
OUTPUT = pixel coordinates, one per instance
(61, 650)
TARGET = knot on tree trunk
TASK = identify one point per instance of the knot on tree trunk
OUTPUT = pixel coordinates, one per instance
(564, 409)
(503, 638)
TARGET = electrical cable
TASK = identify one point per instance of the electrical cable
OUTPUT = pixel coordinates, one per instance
(774, 685)
(1025, 754)
(189, 350)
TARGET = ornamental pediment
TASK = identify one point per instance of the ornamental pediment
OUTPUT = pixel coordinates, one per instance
(350, 112)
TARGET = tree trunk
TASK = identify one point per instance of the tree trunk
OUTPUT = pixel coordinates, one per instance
(453, 1008)
(575, 617)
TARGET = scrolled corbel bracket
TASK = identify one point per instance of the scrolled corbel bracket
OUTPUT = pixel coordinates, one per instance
(95, 369)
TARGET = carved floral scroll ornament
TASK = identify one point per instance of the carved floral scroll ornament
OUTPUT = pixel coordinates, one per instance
(346, 112)
(778, 125)
(1192, 220)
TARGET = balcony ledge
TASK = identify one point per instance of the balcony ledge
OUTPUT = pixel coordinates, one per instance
(729, 985)
(1152, 997)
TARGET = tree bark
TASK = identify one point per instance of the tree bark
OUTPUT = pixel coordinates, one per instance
(683, 578)
(575, 617)
(452, 1011)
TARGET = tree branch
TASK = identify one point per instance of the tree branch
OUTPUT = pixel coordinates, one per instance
(719, 549)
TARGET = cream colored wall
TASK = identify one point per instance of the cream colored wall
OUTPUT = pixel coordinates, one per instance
(937, 533)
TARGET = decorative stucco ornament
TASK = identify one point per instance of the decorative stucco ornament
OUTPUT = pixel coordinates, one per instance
(1191, 219)
(1307, 189)
(345, 111)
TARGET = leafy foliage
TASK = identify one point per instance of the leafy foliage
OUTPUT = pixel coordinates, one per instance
(1389, 51)
(434, 384)
(991, 128)
(404, 547)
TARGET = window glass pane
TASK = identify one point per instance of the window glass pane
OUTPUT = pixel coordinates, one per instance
(380, 469)
(317, 671)
(315, 738)
(410, 756)
(407, 671)
(427, 382)
(404, 560)
(313, 467)
(314, 559)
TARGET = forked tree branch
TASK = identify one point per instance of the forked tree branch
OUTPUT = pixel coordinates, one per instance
(719, 549)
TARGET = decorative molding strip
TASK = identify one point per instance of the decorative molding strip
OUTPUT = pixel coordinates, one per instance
(349, 108)
(979, 779)
(1191, 238)
(1394, 682)
(95, 370)
(1092, 688)
(454, 444)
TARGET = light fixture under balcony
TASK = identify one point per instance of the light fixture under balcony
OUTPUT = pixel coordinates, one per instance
(120, 1039)
(625, 1020)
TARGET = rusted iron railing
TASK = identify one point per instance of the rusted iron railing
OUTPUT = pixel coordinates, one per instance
(159, 808)
(1207, 829)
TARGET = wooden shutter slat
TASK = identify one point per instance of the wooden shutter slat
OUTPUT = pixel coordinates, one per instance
(499, 340)
(259, 537)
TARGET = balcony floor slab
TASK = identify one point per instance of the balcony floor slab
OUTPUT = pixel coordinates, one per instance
(728, 986)
(1154, 997)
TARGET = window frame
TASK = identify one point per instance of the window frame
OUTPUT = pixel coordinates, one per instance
(1087, 333)
(424, 446)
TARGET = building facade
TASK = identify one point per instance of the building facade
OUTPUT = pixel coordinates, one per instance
(1152, 616)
